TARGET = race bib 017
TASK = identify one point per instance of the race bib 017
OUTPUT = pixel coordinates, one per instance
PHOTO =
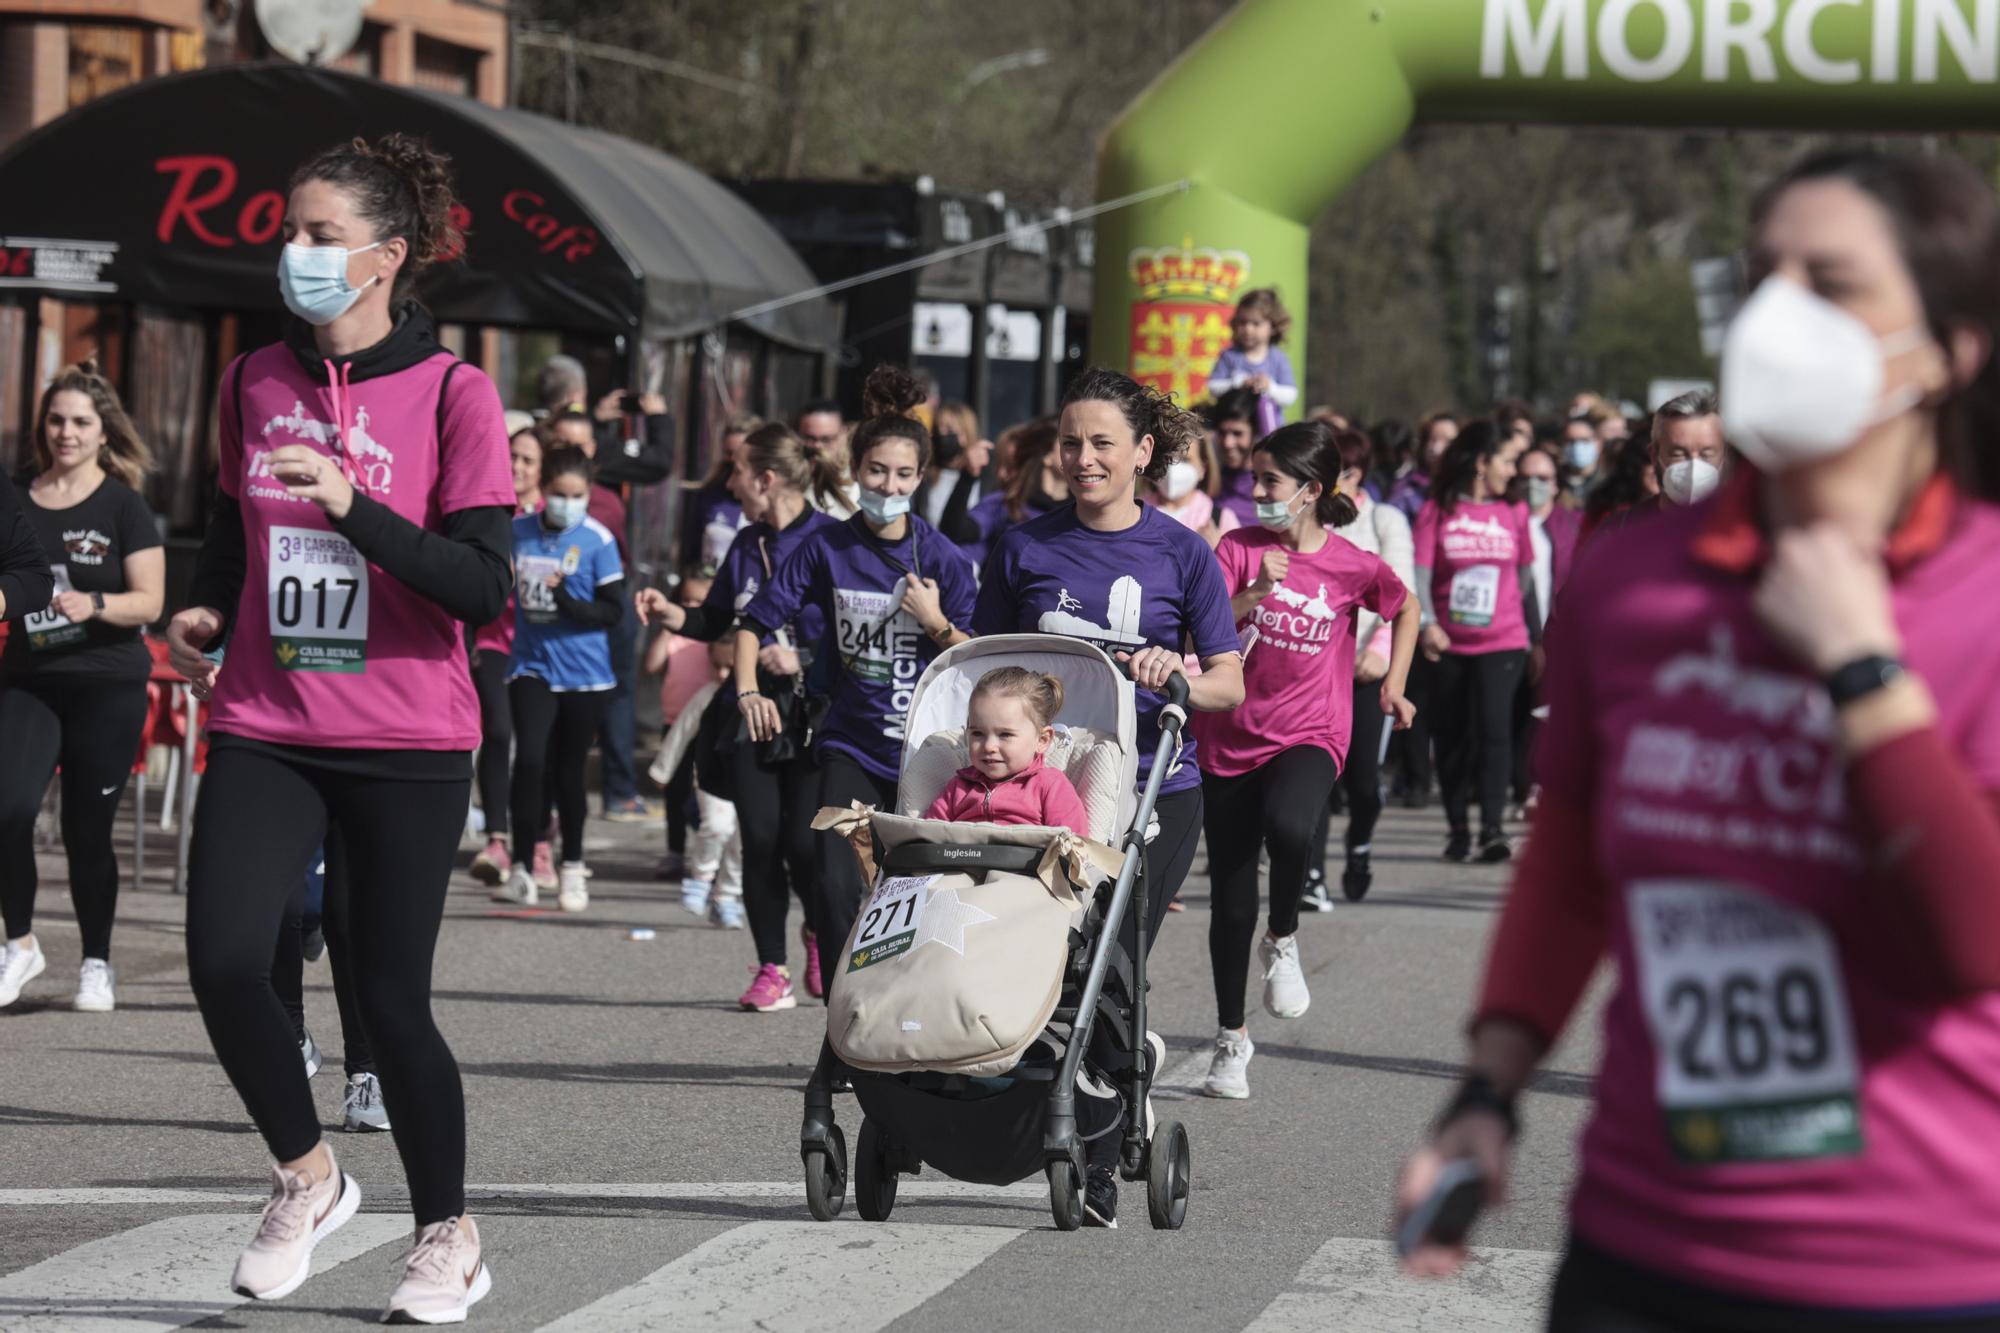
(889, 920)
(318, 601)
(1475, 593)
(49, 628)
(1750, 1021)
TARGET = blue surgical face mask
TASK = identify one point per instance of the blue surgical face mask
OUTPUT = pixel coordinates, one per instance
(563, 512)
(882, 508)
(1581, 454)
(1541, 490)
(1277, 515)
(313, 281)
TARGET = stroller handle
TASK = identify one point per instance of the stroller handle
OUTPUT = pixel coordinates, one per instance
(1177, 685)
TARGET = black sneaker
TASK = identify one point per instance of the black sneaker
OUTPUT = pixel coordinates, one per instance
(1100, 1197)
(1458, 848)
(1494, 847)
(1316, 898)
(1358, 878)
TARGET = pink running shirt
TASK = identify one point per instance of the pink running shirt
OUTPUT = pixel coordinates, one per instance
(1475, 554)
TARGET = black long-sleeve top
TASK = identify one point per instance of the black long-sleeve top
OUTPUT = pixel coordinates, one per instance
(25, 584)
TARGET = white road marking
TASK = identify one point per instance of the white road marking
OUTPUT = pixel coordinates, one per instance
(765, 1275)
(1183, 1078)
(163, 1275)
(1028, 1191)
(1361, 1288)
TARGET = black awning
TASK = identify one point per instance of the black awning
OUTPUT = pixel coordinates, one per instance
(171, 192)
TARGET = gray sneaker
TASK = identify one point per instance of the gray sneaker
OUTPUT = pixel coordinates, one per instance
(309, 1052)
(1229, 1068)
(361, 1108)
(1285, 993)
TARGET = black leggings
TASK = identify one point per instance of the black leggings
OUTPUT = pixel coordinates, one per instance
(1274, 806)
(680, 800)
(774, 811)
(553, 731)
(288, 964)
(91, 728)
(1472, 716)
(842, 781)
(261, 814)
(496, 737)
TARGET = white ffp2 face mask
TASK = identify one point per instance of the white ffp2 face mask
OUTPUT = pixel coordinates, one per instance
(1690, 481)
(1802, 378)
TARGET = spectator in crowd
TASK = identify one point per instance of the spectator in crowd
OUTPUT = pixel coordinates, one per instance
(1689, 456)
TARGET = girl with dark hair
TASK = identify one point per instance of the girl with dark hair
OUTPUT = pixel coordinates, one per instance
(362, 522)
(1474, 567)
(1769, 792)
(776, 789)
(1124, 576)
(1268, 766)
(73, 676)
(894, 594)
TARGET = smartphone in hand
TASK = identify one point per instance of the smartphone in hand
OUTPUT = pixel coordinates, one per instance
(1446, 1214)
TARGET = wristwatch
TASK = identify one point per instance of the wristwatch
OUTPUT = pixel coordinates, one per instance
(97, 600)
(1478, 1093)
(942, 635)
(1860, 678)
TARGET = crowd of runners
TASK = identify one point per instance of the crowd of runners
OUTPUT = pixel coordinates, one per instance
(1716, 677)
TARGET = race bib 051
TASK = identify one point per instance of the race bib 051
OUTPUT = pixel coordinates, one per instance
(1475, 593)
(49, 628)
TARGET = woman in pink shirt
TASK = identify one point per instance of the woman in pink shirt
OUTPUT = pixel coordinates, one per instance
(1475, 578)
(1009, 726)
(1769, 787)
(1268, 766)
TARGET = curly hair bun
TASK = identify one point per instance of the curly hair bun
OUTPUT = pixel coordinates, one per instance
(890, 391)
(428, 173)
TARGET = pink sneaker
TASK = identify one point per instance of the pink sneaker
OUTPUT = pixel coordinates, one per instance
(443, 1276)
(545, 866)
(815, 984)
(772, 990)
(492, 863)
(302, 1213)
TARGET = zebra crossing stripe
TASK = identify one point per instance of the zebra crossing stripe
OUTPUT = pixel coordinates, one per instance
(163, 1275)
(768, 1275)
(1359, 1285)
(1028, 1192)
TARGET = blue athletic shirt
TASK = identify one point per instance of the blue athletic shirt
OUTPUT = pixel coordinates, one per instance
(1154, 584)
(877, 650)
(548, 645)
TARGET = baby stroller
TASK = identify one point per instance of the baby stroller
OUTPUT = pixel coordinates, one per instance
(996, 1054)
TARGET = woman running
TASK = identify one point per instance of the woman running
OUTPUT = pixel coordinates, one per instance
(1768, 790)
(895, 594)
(73, 676)
(1269, 766)
(1035, 487)
(569, 591)
(492, 651)
(1120, 574)
(1475, 576)
(362, 521)
(776, 788)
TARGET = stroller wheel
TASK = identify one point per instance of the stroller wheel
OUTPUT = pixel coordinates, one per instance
(826, 1176)
(874, 1175)
(1167, 1176)
(1065, 1196)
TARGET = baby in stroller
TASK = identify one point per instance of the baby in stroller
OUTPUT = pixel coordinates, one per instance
(989, 1004)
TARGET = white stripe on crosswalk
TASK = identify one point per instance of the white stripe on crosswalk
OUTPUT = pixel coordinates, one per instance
(858, 1276)
(163, 1275)
(1360, 1287)
(1029, 1191)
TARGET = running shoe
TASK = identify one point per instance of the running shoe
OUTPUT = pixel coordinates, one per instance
(361, 1108)
(1285, 993)
(1494, 847)
(574, 895)
(1359, 876)
(726, 912)
(1458, 848)
(631, 810)
(309, 1052)
(520, 888)
(815, 984)
(492, 863)
(545, 865)
(1316, 898)
(94, 982)
(302, 1213)
(771, 991)
(443, 1275)
(1100, 1197)
(19, 965)
(694, 895)
(1229, 1067)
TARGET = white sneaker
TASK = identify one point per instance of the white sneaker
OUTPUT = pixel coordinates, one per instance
(94, 993)
(1229, 1067)
(1285, 993)
(519, 888)
(573, 891)
(301, 1214)
(443, 1276)
(19, 965)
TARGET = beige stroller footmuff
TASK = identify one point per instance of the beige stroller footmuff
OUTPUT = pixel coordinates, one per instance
(956, 970)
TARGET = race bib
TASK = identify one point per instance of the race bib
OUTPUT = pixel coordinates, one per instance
(318, 599)
(889, 920)
(534, 599)
(1475, 592)
(873, 632)
(1750, 1021)
(49, 628)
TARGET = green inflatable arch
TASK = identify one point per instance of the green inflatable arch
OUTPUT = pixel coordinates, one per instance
(1286, 101)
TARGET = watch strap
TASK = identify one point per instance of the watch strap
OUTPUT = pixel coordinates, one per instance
(1860, 678)
(1478, 1093)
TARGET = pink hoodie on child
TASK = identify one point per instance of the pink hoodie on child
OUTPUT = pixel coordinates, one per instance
(1037, 794)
